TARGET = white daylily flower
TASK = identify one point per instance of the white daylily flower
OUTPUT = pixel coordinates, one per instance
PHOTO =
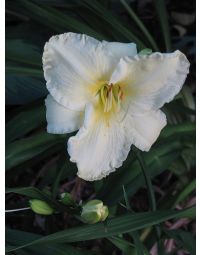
(111, 94)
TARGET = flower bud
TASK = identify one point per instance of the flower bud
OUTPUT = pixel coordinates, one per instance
(145, 51)
(40, 207)
(67, 199)
(94, 211)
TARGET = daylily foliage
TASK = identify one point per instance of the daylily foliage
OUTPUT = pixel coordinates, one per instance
(111, 94)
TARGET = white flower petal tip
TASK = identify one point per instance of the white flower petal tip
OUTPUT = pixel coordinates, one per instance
(156, 79)
(143, 136)
(95, 163)
(61, 120)
(98, 148)
(91, 178)
(63, 72)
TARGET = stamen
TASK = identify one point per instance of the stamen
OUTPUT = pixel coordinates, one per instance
(121, 95)
(102, 95)
(111, 96)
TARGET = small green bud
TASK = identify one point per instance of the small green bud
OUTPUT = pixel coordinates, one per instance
(94, 211)
(145, 52)
(105, 213)
(40, 207)
(67, 199)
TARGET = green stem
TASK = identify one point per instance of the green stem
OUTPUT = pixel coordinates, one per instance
(135, 235)
(152, 200)
(151, 195)
(62, 169)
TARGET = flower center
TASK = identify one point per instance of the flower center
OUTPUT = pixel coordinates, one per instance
(111, 97)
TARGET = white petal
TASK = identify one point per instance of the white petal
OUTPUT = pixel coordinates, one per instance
(152, 80)
(99, 147)
(61, 120)
(119, 50)
(143, 129)
(74, 66)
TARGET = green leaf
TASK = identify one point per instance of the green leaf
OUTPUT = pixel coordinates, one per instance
(171, 200)
(24, 122)
(188, 97)
(184, 239)
(149, 186)
(57, 20)
(16, 237)
(190, 187)
(125, 246)
(30, 192)
(23, 89)
(113, 21)
(157, 160)
(26, 71)
(155, 169)
(27, 148)
(152, 199)
(178, 129)
(161, 11)
(140, 25)
(20, 51)
(115, 226)
(135, 236)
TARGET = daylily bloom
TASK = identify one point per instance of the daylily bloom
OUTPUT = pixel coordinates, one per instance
(111, 94)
